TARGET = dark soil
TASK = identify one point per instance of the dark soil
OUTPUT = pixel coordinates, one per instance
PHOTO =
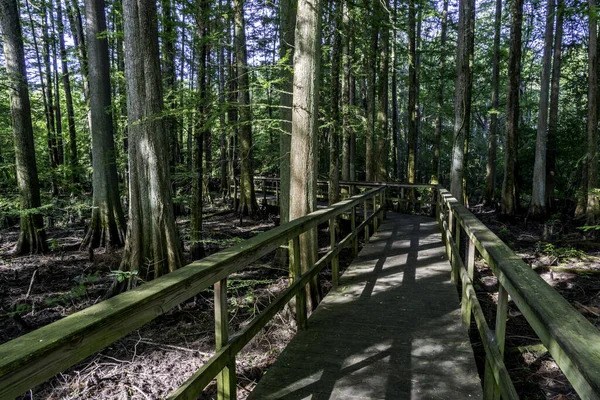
(567, 260)
(153, 361)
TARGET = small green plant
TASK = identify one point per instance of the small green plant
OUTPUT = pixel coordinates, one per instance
(20, 309)
(76, 292)
(560, 253)
(122, 276)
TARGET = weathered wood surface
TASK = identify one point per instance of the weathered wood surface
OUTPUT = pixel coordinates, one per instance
(391, 330)
(573, 342)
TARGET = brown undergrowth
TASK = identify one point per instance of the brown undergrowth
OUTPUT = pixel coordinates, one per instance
(153, 361)
(569, 261)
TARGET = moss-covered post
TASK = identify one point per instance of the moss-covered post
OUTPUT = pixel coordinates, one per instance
(375, 220)
(226, 387)
(335, 262)
(365, 218)
(296, 274)
(466, 304)
(353, 227)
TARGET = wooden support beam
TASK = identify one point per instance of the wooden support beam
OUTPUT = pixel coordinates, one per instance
(226, 386)
(301, 312)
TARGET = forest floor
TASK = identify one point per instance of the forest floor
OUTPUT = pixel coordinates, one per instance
(568, 259)
(153, 361)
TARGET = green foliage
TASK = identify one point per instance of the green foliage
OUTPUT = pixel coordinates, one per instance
(560, 253)
(20, 309)
(76, 292)
(122, 276)
(589, 228)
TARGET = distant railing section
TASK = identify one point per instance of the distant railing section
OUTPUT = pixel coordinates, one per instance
(573, 342)
(37, 356)
(402, 197)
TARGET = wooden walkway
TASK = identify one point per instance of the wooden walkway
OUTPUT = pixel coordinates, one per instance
(392, 330)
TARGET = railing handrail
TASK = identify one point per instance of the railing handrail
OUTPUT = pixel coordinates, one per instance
(37, 356)
(357, 183)
(572, 340)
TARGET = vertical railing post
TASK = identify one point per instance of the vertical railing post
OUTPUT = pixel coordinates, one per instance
(456, 256)
(335, 261)
(400, 198)
(383, 200)
(375, 220)
(466, 304)
(226, 386)
(297, 272)
(353, 227)
(365, 218)
(277, 193)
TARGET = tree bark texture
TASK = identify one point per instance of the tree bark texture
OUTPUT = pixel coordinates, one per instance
(490, 169)
(412, 93)
(197, 247)
(107, 225)
(435, 174)
(66, 78)
(462, 97)
(304, 158)
(509, 201)
(381, 162)
(371, 67)
(287, 28)
(248, 204)
(538, 195)
(334, 129)
(153, 246)
(592, 212)
(32, 237)
(553, 119)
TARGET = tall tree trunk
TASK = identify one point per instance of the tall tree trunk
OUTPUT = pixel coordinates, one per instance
(553, 119)
(57, 108)
(32, 237)
(381, 162)
(435, 174)
(333, 194)
(75, 21)
(52, 143)
(462, 96)
(222, 103)
(73, 158)
(197, 247)
(371, 70)
(152, 237)
(412, 92)
(346, 72)
(593, 199)
(395, 111)
(287, 28)
(509, 201)
(304, 158)
(169, 38)
(248, 205)
(490, 170)
(107, 225)
(538, 195)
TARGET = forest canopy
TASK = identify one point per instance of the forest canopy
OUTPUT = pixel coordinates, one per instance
(129, 124)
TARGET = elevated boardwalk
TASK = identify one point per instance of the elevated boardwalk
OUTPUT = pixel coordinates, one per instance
(391, 330)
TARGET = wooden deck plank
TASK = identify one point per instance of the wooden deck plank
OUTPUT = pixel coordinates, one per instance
(391, 330)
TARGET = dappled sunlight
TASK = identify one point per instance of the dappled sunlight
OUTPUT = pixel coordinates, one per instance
(391, 330)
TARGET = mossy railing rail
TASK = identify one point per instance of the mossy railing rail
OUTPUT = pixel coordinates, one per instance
(573, 342)
(37, 356)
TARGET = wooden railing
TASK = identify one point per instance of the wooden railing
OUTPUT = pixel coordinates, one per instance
(573, 342)
(35, 357)
(417, 198)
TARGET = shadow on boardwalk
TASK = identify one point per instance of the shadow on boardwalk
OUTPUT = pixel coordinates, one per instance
(391, 330)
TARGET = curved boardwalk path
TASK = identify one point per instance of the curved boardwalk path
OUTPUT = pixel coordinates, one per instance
(391, 330)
